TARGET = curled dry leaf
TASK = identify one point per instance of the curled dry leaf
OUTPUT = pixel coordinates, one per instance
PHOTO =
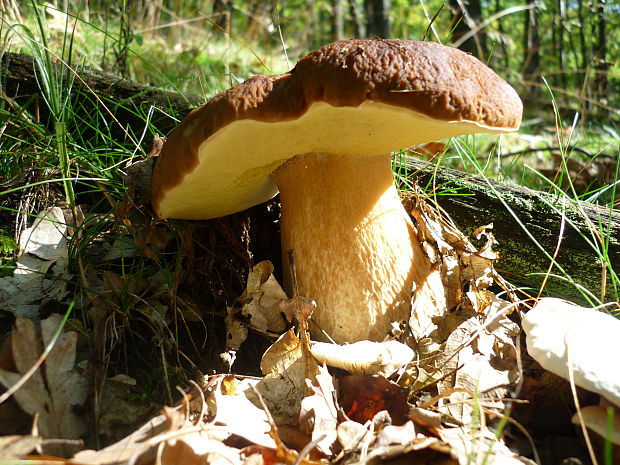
(57, 389)
(41, 268)
(458, 263)
(479, 357)
(261, 299)
(286, 366)
(364, 357)
(258, 307)
(319, 415)
(472, 446)
(17, 447)
(429, 232)
(426, 419)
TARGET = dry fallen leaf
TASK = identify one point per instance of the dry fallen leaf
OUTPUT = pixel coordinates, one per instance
(353, 436)
(482, 348)
(237, 415)
(257, 307)
(261, 298)
(472, 446)
(426, 420)
(286, 365)
(319, 415)
(117, 408)
(18, 447)
(400, 435)
(41, 268)
(363, 396)
(135, 448)
(57, 389)
(198, 448)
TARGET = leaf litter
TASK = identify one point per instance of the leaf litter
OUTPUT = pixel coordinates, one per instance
(429, 407)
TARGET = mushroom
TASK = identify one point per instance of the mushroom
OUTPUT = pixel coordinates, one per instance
(322, 134)
(564, 337)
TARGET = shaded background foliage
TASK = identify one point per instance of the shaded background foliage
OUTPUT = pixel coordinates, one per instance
(573, 45)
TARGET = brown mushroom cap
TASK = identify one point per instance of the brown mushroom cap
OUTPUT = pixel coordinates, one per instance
(352, 97)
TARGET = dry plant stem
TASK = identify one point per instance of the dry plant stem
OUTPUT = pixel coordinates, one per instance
(573, 389)
(356, 251)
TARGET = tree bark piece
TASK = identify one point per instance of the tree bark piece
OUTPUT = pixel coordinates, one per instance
(513, 210)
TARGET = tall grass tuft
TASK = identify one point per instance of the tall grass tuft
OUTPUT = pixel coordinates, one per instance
(55, 83)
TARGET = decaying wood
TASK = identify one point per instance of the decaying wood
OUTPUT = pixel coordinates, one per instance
(128, 101)
(524, 221)
(521, 217)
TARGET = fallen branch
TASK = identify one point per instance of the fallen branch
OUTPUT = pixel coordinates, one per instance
(526, 221)
(129, 101)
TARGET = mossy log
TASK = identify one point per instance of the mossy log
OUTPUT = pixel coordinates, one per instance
(533, 229)
(130, 103)
(530, 226)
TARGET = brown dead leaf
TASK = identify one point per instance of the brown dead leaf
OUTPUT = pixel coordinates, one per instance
(363, 396)
(367, 444)
(57, 389)
(234, 419)
(41, 268)
(353, 435)
(238, 415)
(426, 419)
(261, 298)
(480, 360)
(198, 448)
(400, 435)
(118, 408)
(257, 307)
(286, 365)
(472, 446)
(478, 266)
(18, 447)
(319, 415)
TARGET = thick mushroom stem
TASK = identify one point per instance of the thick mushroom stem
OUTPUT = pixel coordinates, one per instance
(356, 251)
